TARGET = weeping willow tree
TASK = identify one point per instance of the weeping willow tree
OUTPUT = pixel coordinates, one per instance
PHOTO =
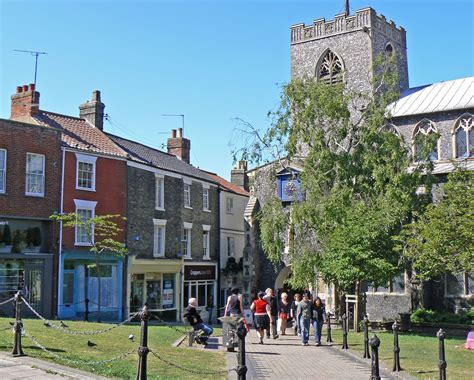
(358, 181)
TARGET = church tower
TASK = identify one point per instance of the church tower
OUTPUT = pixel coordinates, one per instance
(345, 48)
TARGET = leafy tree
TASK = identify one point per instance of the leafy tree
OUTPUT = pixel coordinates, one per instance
(102, 231)
(358, 181)
(442, 237)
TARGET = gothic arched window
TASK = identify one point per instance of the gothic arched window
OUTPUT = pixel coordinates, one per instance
(389, 49)
(330, 68)
(422, 134)
(464, 137)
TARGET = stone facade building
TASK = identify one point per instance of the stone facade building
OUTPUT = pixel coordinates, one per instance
(173, 229)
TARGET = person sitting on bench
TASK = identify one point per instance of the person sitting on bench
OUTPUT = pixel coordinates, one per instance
(203, 331)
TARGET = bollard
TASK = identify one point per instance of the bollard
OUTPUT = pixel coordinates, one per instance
(17, 326)
(143, 349)
(344, 332)
(242, 367)
(190, 338)
(86, 315)
(442, 358)
(396, 348)
(329, 338)
(366, 338)
(375, 343)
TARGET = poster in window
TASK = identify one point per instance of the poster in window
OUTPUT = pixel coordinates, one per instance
(168, 294)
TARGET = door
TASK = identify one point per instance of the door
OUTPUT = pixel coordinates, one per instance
(68, 306)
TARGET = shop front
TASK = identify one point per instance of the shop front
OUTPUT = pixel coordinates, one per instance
(156, 283)
(200, 282)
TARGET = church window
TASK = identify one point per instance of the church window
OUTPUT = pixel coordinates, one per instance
(464, 137)
(389, 49)
(421, 137)
(330, 69)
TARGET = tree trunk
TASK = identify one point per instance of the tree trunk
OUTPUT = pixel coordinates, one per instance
(357, 307)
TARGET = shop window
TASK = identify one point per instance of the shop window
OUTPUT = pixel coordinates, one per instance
(109, 282)
(168, 291)
(3, 170)
(153, 293)
(35, 174)
(68, 288)
(136, 296)
(12, 277)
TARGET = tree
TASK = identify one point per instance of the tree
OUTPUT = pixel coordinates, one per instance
(441, 238)
(101, 232)
(358, 181)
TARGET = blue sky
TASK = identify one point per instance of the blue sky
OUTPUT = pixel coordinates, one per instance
(211, 60)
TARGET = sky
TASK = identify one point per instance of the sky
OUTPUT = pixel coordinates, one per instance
(211, 60)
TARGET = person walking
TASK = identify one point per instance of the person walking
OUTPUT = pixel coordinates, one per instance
(294, 305)
(272, 301)
(234, 306)
(261, 312)
(303, 312)
(318, 317)
(284, 312)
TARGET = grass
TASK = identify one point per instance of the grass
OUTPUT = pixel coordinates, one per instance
(418, 353)
(113, 343)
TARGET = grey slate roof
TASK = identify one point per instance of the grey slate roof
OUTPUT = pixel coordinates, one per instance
(158, 159)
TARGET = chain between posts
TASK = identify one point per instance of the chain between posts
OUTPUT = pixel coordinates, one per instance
(5, 302)
(185, 332)
(76, 361)
(196, 372)
(64, 330)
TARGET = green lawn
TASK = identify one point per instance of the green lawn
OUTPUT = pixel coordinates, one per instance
(114, 343)
(418, 353)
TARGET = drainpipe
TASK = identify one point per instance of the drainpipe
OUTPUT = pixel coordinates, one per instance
(60, 295)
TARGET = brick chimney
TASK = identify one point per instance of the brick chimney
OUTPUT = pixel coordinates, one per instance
(238, 175)
(93, 111)
(179, 146)
(25, 102)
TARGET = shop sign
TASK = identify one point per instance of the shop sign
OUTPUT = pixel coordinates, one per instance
(199, 272)
(167, 294)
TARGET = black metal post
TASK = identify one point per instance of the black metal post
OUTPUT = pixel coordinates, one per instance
(17, 326)
(329, 338)
(143, 349)
(345, 346)
(442, 357)
(375, 343)
(86, 315)
(396, 348)
(242, 367)
(366, 338)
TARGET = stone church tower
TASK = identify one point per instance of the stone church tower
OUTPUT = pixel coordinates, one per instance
(346, 47)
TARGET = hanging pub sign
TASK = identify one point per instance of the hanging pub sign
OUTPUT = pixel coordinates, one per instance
(199, 272)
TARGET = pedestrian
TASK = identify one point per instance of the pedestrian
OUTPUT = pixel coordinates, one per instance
(294, 305)
(303, 312)
(196, 322)
(234, 306)
(284, 310)
(318, 317)
(272, 301)
(261, 312)
(308, 292)
(209, 308)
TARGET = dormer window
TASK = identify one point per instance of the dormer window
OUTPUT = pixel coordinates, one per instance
(330, 68)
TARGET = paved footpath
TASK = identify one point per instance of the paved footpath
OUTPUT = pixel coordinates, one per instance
(286, 358)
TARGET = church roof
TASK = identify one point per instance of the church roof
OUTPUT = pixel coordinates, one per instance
(439, 97)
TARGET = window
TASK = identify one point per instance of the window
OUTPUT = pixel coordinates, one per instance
(159, 193)
(229, 205)
(205, 241)
(464, 137)
(230, 246)
(84, 232)
(422, 136)
(187, 195)
(85, 172)
(330, 68)
(34, 174)
(159, 237)
(395, 286)
(3, 170)
(205, 199)
(389, 49)
(186, 242)
(461, 284)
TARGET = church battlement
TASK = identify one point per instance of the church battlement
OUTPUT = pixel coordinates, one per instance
(365, 18)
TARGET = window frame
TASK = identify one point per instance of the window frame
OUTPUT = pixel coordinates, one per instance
(86, 159)
(466, 279)
(331, 78)
(229, 202)
(186, 239)
(187, 195)
(230, 252)
(467, 130)
(206, 242)
(159, 195)
(28, 193)
(416, 131)
(205, 196)
(159, 248)
(3, 172)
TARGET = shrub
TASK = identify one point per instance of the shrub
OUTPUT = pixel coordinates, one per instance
(431, 316)
(29, 237)
(7, 235)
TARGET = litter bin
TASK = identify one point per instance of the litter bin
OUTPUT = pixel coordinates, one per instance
(405, 321)
(229, 332)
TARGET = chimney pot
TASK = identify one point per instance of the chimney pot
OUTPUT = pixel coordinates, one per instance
(32, 86)
(25, 88)
(180, 132)
(173, 133)
(19, 89)
(96, 95)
